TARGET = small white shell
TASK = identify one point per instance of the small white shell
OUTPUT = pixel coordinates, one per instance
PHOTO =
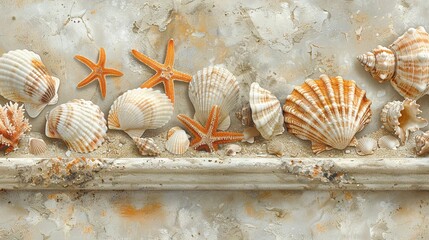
(366, 146)
(79, 123)
(138, 110)
(388, 142)
(266, 111)
(232, 149)
(24, 78)
(36, 146)
(249, 134)
(276, 148)
(146, 146)
(214, 86)
(177, 141)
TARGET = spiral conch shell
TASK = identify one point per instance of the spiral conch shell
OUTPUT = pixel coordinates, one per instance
(24, 78)
(405, 63)
(401, 118)
(79, 123)
(146, 146)
(138, 110)
(328, 112)
(266, 111)
(214, 86)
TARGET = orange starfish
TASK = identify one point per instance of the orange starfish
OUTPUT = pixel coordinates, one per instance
(164, 72)
(98, 71)
(208, 138)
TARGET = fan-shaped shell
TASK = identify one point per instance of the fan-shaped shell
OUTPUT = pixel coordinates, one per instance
(146, 146)
(328, 112)
(266, 111)
(24, 78)
(36, 146)
(79, 123)
(177, 141)
(402, 118)
(138, 110)
(214, 86)
(366, 146)
(388, 142)
(405, 63)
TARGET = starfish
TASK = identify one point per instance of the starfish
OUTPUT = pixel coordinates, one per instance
(164, 72)
(207, 137)
(98, 71)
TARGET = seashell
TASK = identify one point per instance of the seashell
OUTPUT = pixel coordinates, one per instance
(249, 134)
(232, 149)
(177, 141)
(266, 111)
(214, 86)
(245, 116)
(401, 118)
(405, 63)
(79, 123)
(146, 146)
(138, 110)
(276, 148)
(328, 112)
(36, 146)
(24, 78)
(422, 143)
(388, 142)
(366, 146)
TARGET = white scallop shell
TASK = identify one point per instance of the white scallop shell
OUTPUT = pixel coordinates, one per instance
(79, 123)
(249, 134)
(36, 146)
(138, 110)
(388, 142)
(232, 149)
(146, 146)
(177, 141)
(402, 118)
(24, 78)
(266, 111)
(214, 86)
(366, 146)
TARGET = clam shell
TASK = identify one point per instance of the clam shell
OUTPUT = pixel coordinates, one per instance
(401, 118)
(266, 111)
(79, 123)
(405, 63)
(276, 148)
(177, 141)
(214, 86)
(138, 110)
(36, 146)
(328, 112)
(366, 146)
(249, 134)
(388, 142)
(24, 78)
(146, 146)
(232, 149)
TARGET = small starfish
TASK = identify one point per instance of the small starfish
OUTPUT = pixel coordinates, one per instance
(164, 72)
(208, 138)
(98, 71)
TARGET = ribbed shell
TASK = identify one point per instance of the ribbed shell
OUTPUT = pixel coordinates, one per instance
(328, 112)
(36, 146)
(214, 86)
(177, 141)
(266, 111)
(24, 78)
(366, 146)
(79, 123)
(138, 110)
(146, 146)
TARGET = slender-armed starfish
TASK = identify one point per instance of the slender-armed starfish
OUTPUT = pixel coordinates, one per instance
(207, 137)
(98, 71)
(164, 72)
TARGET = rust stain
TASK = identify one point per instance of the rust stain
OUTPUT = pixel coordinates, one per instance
(265, 195)
(88, 229)
(252, 212)
(103, 213)
(320, 227)
(348, 196)
(52, 196)
(151, 210)
(93, 11)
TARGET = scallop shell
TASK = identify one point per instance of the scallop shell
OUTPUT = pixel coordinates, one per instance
(138, 110)
(24, 78)
(276, 148)
(249, 134)
(79, 123)
(36, 146)
(266, 111)
(366, 146)
(405, 63)
(232, 149)
(328, 112)
(401, 118)
(388, 142)
(214, 86)
(146, 146)
(177, 141)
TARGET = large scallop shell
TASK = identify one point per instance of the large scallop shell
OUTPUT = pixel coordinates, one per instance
(328, 112)
(402, 118)
(214, 86)
(177, 141)
(79, 123)
(266, 111)
(405, 63)
(138, 110)
(24, 78)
